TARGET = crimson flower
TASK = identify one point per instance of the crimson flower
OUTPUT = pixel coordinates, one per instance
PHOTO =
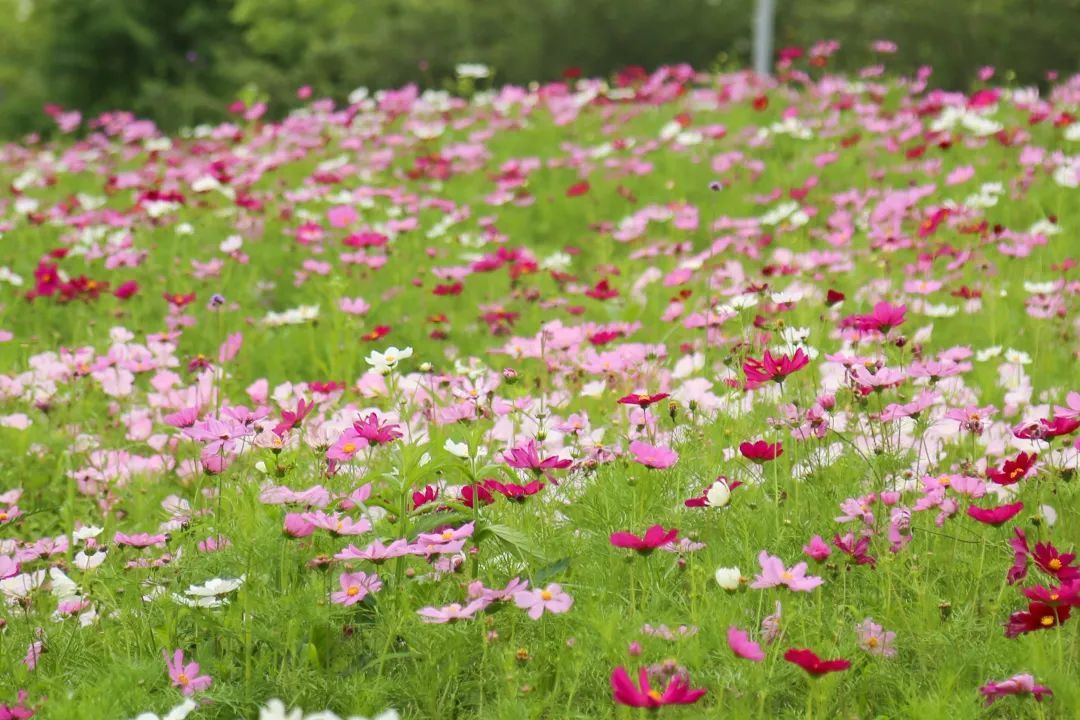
(759, 372)
(761, 451)
(1054, 596)
(379, 332)
(1019, 545)
(602, 291)
(834, 297)
(677, 692)
(1047, 429)
(811, 663)
(429, 494)
(996, 515)
(856, 549)
(1053, 562)
(653, 538)
(470, 492)
(1038, 616)
(1013, 470)
(642, 401)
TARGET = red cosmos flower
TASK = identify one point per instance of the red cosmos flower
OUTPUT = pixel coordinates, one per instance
(930, 224)
(1038, 616)
(1055, 563)
(604, 337)
(995, 515)
(761, 102)
(642, 401)
(513, 491)
(1013, 470)
(126, 290)
(470, 491)
(571, 73)
(811, 663)
(759, 372)
(677, 692)
(1068, 594)
(375, 432)
(429, 494)
(761, 451)
(178, 300)
(378, 333)
(653, 538)
(834, 297)
(1047, 429)
(452, 289)
(602, 291)
(578, 189)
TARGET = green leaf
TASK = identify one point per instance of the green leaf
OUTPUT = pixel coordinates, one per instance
(541, 576)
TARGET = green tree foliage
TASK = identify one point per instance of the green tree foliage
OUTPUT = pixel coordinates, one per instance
(181, 61)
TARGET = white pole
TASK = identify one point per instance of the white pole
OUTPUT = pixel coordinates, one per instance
(763, 36)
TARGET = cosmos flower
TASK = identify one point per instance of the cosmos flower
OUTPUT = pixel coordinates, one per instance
(677, 691)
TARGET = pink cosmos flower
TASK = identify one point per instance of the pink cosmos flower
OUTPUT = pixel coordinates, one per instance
(33, 654)
(337, 523)
(186, 677)
(874, 639)
(740, 643)
(218, 436)
(997, 515)
(355, 587)
(140, 540)
(451, 612)
(297, 525)
(654, 457)
(1016, 685)
(374, 432)
(817, 548)
(677, 692)
(552, 599)
(8, 567)
(759, 372)
(773, 573)
(376, 552)
(527, 457)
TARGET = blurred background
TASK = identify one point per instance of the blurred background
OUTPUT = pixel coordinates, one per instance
(180, 62)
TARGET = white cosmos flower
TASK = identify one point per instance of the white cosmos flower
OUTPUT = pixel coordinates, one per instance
(718, 495)
(20, 586)
(276, 710)
(456, 449)
(63, 587)
(384, 362)
(476, 71)
(179, 712)
(728, 578)
(1040, 288)
(213, 601)
(85, 561)
(1018, 357)
(216, 586)
(1044, 227)
(987, 353)
(86, 532)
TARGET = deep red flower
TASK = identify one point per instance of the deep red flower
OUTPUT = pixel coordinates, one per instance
(1018, 571)
(578, 189)
(1013, 470)
(126, 290)
(677, 692)
(653, 538)
(470, 491)
(1068, 594)
(759, 372)
(642, 401)
(451, 289)
(1038, 616)
(856, 549)
(178, 300)
(429, 494)
(602, 291)
(1047, 429)
(811, 663)
(1053, 562)
(761, 451)
(995, 515)
(604, 337)
(379, 332)
(834, 297)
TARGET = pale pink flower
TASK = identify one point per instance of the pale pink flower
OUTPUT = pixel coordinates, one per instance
(552, 599)
(773, 573)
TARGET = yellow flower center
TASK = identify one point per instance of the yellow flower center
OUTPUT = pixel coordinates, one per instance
(353, 591)
(1046, 620)
(872, 642)
(945, 482)
(447, 534)
(349, 447)
(3, 517)
(473, 393)
(655, 695)
(546, 595)
(1054, 596)
(787, 576)
(1014, 473)
(183, 679)
(340, 524)
(1054, 564)
(390, 358)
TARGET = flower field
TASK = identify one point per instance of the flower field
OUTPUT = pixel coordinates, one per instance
(702, 394)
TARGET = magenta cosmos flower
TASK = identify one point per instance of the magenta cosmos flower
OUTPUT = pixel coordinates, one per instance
(759, 372)
(653, 538)
(185, 676)
(677, 692)
(652, 456)
(1016, 685)
(552, 599)
(740, 643)
(761, 451)
(527, 457)
(355, 587)
(809, 661)
(773, 573)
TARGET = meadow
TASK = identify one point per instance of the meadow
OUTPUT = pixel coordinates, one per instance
(677, 393)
